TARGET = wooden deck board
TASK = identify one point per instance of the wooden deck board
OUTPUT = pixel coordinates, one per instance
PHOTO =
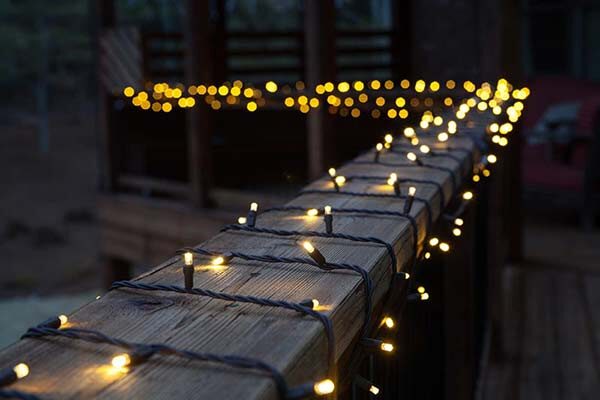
(294, 344)
(555, 294)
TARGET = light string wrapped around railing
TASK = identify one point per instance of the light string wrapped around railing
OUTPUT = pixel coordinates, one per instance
(11, 375)
(496, 135)
(316, 259)
(140, 352)
(376, 195)
(363, 211)
(437, 185)
(287, 233)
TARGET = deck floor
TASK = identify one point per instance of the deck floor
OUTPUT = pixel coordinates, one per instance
(551, 323)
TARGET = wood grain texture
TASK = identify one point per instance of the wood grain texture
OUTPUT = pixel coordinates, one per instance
(62, 369)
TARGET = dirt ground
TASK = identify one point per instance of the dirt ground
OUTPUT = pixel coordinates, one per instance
(48, 234)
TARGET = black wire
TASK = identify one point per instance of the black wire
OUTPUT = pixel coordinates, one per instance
(327, 266)
(441, 153)
(242, 299)
(151, 349)
(422, 165)
(404, 180)
(280, 232)
(366, 211)
(375, 195)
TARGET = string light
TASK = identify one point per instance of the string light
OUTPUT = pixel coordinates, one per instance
(328, 217)
(366, 385)
(188, 270)
(393, 181)
(324, 387)
(338, 180)
(410, 199)
(387, 347)
(314, 253)
(413, 157)
(388, 322)
(11, 375)
(251, 218)
(312, 212)
(313, 304)
(378, 149)
(162, 93)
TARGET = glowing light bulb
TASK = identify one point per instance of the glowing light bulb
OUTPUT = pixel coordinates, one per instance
(242, 220)
(387, 347)
(254, 207)
(308, 246)
(128, 91)
(421, 289)
(389, 322)
(456, 232)
(324, 387)
(332, 172)
(392, 179)
(374, 389)
(121, 360)
(63, 319)
(424, 149)
(412, 191)
(459, 222)
(414, 141)
(315, 303)
(218, 260)
(379, 147)
(424, 296)
(492, 158)
(388, 138)
(21, 370)
(467, 195)
(313, 212)
(442, 136)
(409, 132)
(188, 258)
(340, 180)
(411, 156)
(327, 210)
(434, 241)
(445, 247)
(271, 87)
(427, 255)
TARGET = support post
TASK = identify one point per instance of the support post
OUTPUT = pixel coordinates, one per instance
(199, 119)
(319, 42)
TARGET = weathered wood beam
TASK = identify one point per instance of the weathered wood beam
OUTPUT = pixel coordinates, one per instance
(295, 344)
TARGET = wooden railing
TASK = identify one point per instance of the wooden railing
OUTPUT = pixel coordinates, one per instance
(258, 56)
(437, 342)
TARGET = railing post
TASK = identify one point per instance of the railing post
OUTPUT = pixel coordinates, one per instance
(199, 120)
(319, 44)
(459, 314)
